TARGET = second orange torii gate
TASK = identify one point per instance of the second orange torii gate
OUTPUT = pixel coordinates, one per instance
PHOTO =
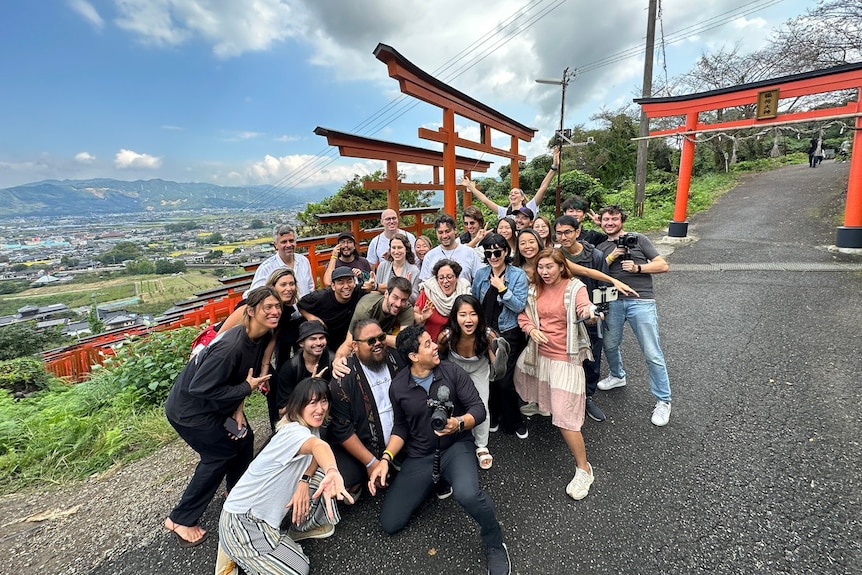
(845, 77)
(353, 146)
(417, 83)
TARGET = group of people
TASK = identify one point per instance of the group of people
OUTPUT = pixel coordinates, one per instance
(395, 374)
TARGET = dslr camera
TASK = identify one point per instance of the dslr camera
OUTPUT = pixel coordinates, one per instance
(441, 411)
(627, 241)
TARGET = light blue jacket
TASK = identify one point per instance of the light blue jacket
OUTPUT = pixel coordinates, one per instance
(514, 299)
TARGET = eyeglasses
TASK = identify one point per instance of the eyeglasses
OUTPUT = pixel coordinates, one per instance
(372, 340)
(445, 278)
(493, 254)
(565, 233)
(390, 219)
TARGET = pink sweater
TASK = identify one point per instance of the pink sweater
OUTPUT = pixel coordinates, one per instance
(553, 316)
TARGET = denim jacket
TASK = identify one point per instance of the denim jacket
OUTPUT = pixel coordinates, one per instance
(514, 299)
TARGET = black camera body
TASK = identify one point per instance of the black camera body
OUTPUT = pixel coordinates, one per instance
(627, 241)
(441, 411)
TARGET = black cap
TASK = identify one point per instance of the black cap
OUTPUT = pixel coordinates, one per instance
(342, 272)
(346, 236)
(309, 328)
(527, 212)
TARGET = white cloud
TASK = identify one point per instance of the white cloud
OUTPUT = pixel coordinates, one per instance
(173, 128)
(129, 159)
(232, 28)
(85, 9)
(249, 135)
(85, 158)
(302, 170)
(287, 138)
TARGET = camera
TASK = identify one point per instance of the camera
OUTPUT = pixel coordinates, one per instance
(627, 241)
(441, 409)
(603, 296)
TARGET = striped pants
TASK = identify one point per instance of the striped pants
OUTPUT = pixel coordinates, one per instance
(259, 548)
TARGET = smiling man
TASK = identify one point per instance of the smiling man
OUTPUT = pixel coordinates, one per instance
(449, 248)
(378, 247)
(314, 360)
(436, 448)
(333, 306)
(284, 241)
(362, 415)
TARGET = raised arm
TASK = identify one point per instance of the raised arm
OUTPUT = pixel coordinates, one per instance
(546, 183)
(468, 183)
(599, 276)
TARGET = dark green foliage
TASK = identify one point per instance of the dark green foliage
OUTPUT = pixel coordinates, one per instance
(170, 266)
(121, 252)
(256, 224)
(12, 286)
(180, 227)
(580, 184)
(140, 266)
(150, 365)
(23, 375)
(22, 339)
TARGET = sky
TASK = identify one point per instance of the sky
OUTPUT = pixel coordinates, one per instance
(229, 92)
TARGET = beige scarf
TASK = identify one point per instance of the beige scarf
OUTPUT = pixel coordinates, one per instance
(442, 302)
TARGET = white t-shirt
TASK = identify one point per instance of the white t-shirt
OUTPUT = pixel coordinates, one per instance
(464, 255)
(502, 211)
(380, 381)
(301, 269)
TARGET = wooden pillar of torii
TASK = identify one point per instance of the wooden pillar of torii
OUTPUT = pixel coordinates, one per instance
(417, 83)
(766, 94)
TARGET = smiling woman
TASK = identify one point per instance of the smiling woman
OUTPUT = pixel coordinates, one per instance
(205, 406)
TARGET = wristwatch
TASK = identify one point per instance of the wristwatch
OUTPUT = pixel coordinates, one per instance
(460, 423)
(305, 479)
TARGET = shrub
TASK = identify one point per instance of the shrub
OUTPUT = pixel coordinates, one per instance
(150, 365)
(23, 375)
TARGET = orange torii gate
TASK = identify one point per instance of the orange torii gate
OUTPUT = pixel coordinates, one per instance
(353, 146)
(766, 94)
(417, 83)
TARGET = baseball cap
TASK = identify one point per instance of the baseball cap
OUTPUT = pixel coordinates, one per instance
(342, 272)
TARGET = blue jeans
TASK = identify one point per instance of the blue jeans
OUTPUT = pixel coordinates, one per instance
(643, 319)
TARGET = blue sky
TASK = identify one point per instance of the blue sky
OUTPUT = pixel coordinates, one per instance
(229, 92)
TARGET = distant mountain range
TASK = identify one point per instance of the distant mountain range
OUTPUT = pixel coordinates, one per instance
(106, 196)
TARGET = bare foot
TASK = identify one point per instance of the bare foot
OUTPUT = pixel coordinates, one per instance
(189, 535)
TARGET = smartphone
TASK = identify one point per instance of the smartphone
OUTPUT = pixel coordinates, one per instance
(605, 295)
(366, 277)
(234, 429)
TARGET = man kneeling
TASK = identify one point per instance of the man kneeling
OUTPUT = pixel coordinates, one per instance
(435, 404)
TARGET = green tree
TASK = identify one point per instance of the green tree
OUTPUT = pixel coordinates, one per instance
(96, 325)
(256, 224)
(140, 266)
(121, 252)
(170, 266)
(69, 262)
(20, 340)
(353, 197)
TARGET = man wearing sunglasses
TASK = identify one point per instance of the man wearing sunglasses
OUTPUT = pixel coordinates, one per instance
(361, 410)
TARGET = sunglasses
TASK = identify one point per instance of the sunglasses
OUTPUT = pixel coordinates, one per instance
(372, 340)
(493, 254)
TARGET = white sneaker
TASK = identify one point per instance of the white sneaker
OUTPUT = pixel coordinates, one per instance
(611, 382)
(579, 486)
(532, 408)
(321, 532)
(661, 413)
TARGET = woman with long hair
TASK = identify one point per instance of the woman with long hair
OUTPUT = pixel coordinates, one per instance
(542, 226)
(466, 341)
(422, 246)
(284, 344)
(295, 473)
(205, 407)
(401, 263)
(517, 198)
(506, 227)
(549, 372)
(529, 246)
(437, 296)
(502, 290)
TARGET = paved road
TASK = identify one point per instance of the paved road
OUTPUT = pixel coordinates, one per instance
(759, 469)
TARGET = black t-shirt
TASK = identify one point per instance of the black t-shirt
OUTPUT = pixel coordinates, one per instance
(334, 315)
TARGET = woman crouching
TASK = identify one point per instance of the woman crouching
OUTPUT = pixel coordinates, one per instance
(291, 473)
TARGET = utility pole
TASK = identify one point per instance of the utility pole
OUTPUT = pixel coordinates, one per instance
(643, 145)
(564, 82)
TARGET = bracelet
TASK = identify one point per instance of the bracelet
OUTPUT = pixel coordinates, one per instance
(331, 468)
(389, 453)
(500, 291)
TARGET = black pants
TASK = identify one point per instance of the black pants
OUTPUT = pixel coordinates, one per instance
(504, 403)
(221, 458)
(414, 485)
(592, 369)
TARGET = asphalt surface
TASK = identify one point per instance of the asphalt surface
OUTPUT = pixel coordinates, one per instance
(759, 469)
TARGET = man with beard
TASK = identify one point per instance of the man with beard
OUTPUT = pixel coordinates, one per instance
(435, 451)
(568, 229)
(634, 263)
(313, 360)
(284, 237)
(361, 410)
(378, 247)
(449, 248)
(333, 306)
(345, 255)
